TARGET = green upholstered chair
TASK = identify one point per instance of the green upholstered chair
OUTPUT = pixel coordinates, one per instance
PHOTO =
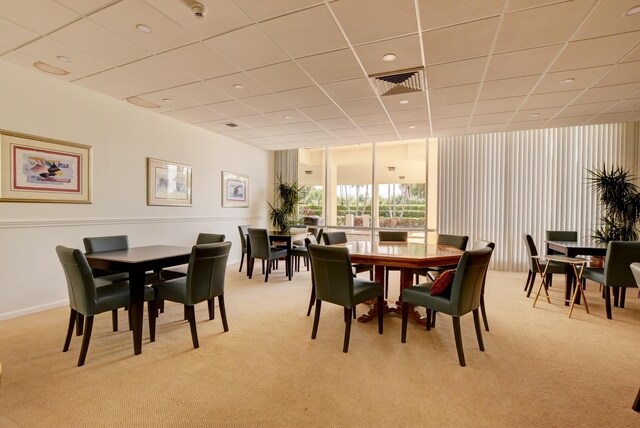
(462, 298)
(457, 241)
(204, 281)
(89, 296)
(391, 236)
(301, 252)
(319, 236)
(181, 270)
(532, 251)
(261, 249)
(477, 245)
(244, 231)
(617, 271)
(340, 237)
(298, 228)
(335, 283)
(558, 235)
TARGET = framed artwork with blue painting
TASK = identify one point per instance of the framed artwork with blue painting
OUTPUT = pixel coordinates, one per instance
(168, 183)
(235, 190)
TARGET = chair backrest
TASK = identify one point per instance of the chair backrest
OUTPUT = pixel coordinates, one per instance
(97, 244)
(206, 272)
(259, 242)
(319, 235)
(467, 283)
(80, 284)
(298, 228)
(617, 264)
(209, 238)
(457, 241)
(243, 229)
(481, 243)
(560, 235)
(532, 251)
(332, 274)
(393, 235)
(339, 237)
(308, 241)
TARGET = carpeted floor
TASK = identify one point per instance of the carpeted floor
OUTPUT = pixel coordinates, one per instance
(539, 369)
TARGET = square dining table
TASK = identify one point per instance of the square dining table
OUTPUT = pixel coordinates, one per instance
(137, 261)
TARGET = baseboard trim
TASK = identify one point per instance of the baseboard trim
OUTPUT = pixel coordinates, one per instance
(33, 310)
(14, 224)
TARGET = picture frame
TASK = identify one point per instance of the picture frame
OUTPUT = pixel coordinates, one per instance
(168, 183)
(235, 190)
(45, 170)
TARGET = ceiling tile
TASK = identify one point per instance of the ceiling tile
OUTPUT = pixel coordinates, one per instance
(276, 130)
(281, 77)
(362, 107)
(255, 120)
(596, 52)
(633, 55)
(456, 73)
(608, 18)
(122, 18)
(451, 122)
(198, 61)
(232, 108)
(307, 32)
(244, 133)
(583, 78)
(454, 94)
(521, 63)
(499, 105)
(536, 114)
(457, 42)
(633, 116)
(331, 66)
(627, 72)
(267, 103)
(248, 48)
(93, 40)
(406, 49)
(305, 97)
(557, 99)
(416, 114)
(379, 130)
(335, 124)
(347, 132)
(220, 17)
(175, 102)
(453, 110)
(352, 89)
(399, 101)
(286, 117)
(482, 129)
(158, 73)
(441, 13)
(507, 87)
(541, 26)
(371, 119)
(249, 87)
(515, 5)
(181, 116)
(449, 132)
(375, 13)
(567, 121)
(491, 118)
(12, 35)
(197, 114)
(585, 109)
(40, 16)
(607, 93)
(200, 93)
(415, 126)
(327, 111)
(85, 7)
(260, 9)
(520, 126)
(117, 83)
(625, 106)
(304, 127)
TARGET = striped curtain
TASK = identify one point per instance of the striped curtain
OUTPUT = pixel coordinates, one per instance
(500, 186)
(286, 166)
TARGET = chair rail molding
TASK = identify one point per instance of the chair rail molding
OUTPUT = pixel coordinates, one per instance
(77, 222)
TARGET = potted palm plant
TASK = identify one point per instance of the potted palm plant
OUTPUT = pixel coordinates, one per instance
(284, 210)
(620, 202)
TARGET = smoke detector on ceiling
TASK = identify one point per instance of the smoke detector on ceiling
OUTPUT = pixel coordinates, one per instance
(398, 82)
(199, 11)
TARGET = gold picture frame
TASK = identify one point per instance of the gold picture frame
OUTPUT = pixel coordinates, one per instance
(40, 169)
(168, 183)
(235, 190)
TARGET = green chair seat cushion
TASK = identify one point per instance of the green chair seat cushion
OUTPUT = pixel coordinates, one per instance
(174, 290)
(365, 290)
(180, 269)
(594, 274)
(300, 251)
(554, 267)
(421, 295)
(114, 277)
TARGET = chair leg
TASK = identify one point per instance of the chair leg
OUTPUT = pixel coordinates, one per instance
(306, 263)
(433, 318)
(313, 298)
(79, 321)
(185, 315)
(484, 313)
(316, 319)
(607, 301)
(88, 326)
(623, 294)
(160, 304)
(223, 313)
(114, 320)
(458, 336)
(616, 296)
(263, 266)
(152, 308)
(526, 285)
(386, 283)
(212, 309)
(130, 319)
(266, 274)
(476, 321)
(242, 262)
(428, 324)
(380, 314)
(347, 329)
(533, 280)
(405, 317)
(371, 275)
(72, 321)
(191, 316)
(636, 404)
(417, 279)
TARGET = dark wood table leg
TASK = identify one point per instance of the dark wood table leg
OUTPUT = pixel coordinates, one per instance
(136, 286)
(289, 258)
(406, 280)
(636, 404)
(372, 313)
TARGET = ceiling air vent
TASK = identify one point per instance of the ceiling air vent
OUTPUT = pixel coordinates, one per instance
(231, 124)
(398, 82)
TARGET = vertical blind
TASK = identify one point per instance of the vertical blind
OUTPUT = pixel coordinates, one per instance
(500, 186)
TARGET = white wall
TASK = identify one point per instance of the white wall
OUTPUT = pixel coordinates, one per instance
(122, 137)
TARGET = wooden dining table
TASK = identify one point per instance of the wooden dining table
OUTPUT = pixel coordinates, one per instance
(284, 239)
(137, 261)
(404, 255)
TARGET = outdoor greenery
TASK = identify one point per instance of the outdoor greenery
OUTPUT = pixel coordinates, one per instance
(620, 202)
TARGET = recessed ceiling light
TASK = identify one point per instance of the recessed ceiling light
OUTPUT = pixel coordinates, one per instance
(534, 115)
(401, 177)
(63, 58)
(287, 117)
(143, 28)
(167, 100)
(389, 57)
(569, 80)
(404, 101)
(238, 86)
(412, 127)
(633, 11)
(140, 102)
(48, 68)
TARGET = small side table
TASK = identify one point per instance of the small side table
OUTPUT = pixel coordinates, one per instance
(575, 264)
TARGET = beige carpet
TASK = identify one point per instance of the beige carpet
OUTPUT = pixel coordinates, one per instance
(539, 369)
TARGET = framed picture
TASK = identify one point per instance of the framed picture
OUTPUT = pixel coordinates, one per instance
(168, 183)
(235, 190)
(38, 169)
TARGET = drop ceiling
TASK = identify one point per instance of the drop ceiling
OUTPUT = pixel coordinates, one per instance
(294, 73)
